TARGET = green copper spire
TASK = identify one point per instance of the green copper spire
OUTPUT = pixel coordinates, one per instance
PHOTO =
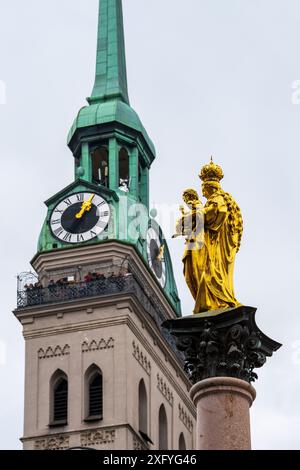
(109, 102)
(111, 77)
(113, 155)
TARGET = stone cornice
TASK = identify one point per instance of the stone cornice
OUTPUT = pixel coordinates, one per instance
(84, 430)
(72, 306)
(79, 431)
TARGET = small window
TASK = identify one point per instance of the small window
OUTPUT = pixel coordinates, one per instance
(124, 181)
(143, 413)
(100, 169)
(163, 429)
(143, 408)
(59, 399)
(140, 178)
(182, 444)
(93, 394)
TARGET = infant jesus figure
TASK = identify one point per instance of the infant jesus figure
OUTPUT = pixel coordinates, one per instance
(191, 226)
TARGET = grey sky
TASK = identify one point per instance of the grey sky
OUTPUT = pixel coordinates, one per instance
(206, 77)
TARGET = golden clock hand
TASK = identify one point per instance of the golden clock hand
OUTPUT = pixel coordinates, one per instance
(161, 253)
(85, 207)
(89, 201)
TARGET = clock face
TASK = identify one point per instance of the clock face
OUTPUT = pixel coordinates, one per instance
(155, 253)
(80, 218)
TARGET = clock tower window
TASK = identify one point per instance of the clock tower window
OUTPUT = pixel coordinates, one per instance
(140, 178)
(144, 184)
(100, 166)
(124, 179)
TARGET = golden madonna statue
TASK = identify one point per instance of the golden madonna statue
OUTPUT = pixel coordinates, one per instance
(213, 236)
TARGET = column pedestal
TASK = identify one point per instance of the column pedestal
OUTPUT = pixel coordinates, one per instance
(223, 417)
(220, 351)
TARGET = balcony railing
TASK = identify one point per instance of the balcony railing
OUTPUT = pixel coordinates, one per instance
(130, 283)
(97, 288)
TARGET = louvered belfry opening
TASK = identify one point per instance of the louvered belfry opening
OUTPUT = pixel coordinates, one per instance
(60, 401)
(96, 396)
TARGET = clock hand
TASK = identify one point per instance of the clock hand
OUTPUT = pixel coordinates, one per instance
(86, 207)
(161, 253)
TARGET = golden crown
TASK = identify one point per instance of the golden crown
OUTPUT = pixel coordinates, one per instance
(211, 172)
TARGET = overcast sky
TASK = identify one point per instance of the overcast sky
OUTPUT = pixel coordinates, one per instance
(206, 77)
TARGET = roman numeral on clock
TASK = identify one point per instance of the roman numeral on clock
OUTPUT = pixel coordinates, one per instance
(80, 238)
(80, 197)
(104, 214)
(58, 231)
(55, 222)
(68, 202)
(67, 237)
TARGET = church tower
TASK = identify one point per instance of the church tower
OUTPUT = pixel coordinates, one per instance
(100, 371)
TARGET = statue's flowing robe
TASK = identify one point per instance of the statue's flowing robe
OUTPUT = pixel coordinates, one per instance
(214, 276)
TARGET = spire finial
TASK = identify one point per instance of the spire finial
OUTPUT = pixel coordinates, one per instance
(111, 75)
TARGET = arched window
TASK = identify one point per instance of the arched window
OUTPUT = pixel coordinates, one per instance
(162, 429)
(94, 393)
(140, 178)
(100, 168)
(143, 408)
(124, 170)
(59, 398)
(182, 444)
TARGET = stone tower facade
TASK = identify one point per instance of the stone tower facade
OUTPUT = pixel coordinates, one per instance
(117, 333)
(100, 371)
